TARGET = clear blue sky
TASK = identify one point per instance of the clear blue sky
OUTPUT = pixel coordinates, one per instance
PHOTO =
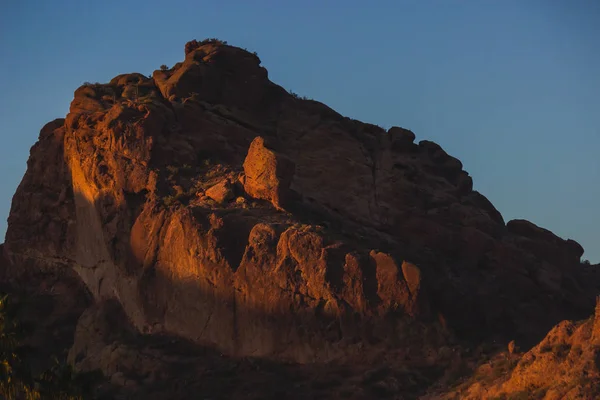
(510, 87)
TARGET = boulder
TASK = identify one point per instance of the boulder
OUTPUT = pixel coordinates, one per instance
(221, 192)
(268, 175)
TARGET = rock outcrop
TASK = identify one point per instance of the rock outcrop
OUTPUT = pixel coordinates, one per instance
(221, 192)
(267, 175)
(342, 236)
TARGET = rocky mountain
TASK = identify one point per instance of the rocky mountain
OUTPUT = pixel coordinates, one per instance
(203, 232)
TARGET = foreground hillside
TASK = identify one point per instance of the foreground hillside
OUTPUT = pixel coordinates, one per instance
(564, 365)
(205, 232)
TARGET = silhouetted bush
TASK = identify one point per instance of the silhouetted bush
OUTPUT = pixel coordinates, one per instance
(173, 170)
(164, 67)
(194, 44)
(297, 96)
(213, 41)
(16, 379)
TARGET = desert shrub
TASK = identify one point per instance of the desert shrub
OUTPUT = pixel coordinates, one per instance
(528, 394)
(213, 40)
(164, 67)
(546, 348)
(90, 84)
(503, 367)
(148, 99)
(297, 96)
(589, 383)
(59, 382)
(521, 395)
(172, 199)
(168, 200)
(561, 350)
(194, 44)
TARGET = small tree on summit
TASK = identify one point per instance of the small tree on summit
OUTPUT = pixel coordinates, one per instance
(164, 67)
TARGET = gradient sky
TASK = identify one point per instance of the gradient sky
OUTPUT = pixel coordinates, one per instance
(510, 87)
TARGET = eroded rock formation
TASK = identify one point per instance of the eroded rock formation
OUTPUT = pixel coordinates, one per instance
(209, 204)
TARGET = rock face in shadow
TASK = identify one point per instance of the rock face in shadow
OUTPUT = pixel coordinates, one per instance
(213, 206)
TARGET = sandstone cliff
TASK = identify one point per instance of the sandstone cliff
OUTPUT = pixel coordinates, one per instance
(208, 204)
